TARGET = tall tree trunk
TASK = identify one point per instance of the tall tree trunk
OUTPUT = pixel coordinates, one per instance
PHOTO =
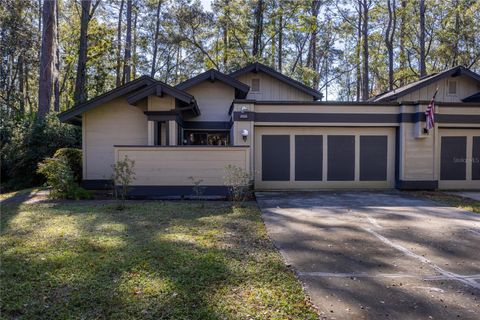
(457, 35)
(365, 86)
(155, 40)
(423, 69)
(312, 61)
(258, 32)
(47, 57)
(225, 48)
(403, 55)
(134, 44)
(119, 46)
(358, 52)
(56, 81)
(127, 67)
(389, 37)
(280, 42)
(21, 83)
(80, 95)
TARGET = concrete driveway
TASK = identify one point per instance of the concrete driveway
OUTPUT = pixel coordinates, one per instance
(364, 255)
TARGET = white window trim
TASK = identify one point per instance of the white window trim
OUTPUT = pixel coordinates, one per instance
(448, 88)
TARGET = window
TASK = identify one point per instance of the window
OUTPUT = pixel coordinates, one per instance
(255, 85)
(206, 138)
(452, 87)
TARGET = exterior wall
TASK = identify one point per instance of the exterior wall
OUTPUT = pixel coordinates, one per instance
(213, 99)
(165, 103)
(113, 123)
(465, 87)
(291, 132)
(173, 166)
(272, 89)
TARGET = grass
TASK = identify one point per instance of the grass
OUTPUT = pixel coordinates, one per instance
(154, 260)
(8, 195)
(451, 200)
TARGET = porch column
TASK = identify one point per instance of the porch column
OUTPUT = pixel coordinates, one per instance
(151, 133)
(172, 132)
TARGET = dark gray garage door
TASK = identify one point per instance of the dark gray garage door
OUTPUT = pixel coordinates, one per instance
(275, 157)
(476, 159)
(308, 157)
(453, 158)
(341, 158)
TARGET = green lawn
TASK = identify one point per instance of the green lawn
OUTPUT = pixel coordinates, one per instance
(8, 195)
(451, 200)
(155, 260)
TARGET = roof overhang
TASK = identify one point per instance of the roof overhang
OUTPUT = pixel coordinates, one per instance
(135, 91)
(452, 72)
(241, 89)
(258, 67)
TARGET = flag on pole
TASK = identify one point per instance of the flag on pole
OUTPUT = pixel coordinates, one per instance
(430, 114)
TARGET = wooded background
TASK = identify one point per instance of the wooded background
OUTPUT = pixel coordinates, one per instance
(58, 53)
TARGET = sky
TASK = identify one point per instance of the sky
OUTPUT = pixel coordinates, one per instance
(206, 4)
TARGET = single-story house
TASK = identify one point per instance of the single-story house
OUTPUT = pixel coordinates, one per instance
(280, 131)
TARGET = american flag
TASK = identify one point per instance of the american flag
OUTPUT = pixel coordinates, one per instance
(430, 114)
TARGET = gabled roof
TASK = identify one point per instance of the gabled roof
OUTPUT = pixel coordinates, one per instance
(425, 81)
(473, 98)
(258, 67)
(138, 89)
(241, 89)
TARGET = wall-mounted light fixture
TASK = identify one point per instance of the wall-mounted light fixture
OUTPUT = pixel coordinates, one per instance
(244, 134)
(243, 109)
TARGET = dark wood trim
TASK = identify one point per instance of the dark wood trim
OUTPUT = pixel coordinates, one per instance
(352, 117)
(417, 185)
(178, 146)
(258, 67)
(207, 125)
(150, 192)
(106, 97)
(212, 75)
(453, 72)
(97, 184)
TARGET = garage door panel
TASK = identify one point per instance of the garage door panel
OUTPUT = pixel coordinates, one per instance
(476, 159)
(341, 158)
(308, 157)
(373, 158)
(453, 158)
(275, 157)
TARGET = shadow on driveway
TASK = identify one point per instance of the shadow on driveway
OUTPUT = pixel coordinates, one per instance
(363, 255)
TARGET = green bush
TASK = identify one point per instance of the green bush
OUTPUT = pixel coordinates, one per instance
(24, 142)
(60, 179)
(73, 157)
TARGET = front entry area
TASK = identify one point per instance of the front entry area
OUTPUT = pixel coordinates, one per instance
(324, 157)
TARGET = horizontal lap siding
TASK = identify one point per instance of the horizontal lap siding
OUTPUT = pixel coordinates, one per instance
(174, 166)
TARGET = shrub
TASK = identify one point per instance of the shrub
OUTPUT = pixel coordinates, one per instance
(60, 179)
(238, 182)
(197, 189)
(123, 175)
(27, 141)
(73, 157)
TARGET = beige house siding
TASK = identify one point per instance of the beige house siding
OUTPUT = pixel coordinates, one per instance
(113, 123)
(272, 89)
(213, 99)
(165, 103)
(173, 166)
(466, 86)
